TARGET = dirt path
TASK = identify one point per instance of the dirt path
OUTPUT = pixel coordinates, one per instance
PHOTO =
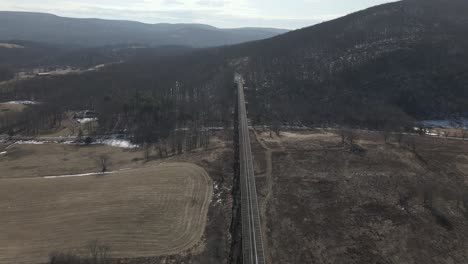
(269, 188)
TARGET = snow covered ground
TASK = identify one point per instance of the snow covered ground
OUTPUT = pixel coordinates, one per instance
(30, 142)
(23, 102)
(120, 143)
(84, 174)
(85, 120)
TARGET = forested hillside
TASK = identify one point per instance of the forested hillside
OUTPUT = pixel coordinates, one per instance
(379, 68)
(147, 97)
(386, 64)
(5, 74)
(27, 55)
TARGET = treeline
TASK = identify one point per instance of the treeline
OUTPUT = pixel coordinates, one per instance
(30, 54)
(380, 68)
(32, 120)
(6, 74)
(148, 99)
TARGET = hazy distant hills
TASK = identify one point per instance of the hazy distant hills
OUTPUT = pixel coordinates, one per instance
(47, 28)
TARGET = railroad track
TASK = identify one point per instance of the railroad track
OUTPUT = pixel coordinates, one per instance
(252, 243)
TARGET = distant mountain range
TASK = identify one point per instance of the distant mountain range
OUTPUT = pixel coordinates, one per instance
(47, 28)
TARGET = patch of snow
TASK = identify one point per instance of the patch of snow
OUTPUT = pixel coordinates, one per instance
(23, 102)
(3, 153)
(434, 133)
(295, 135)
(85, 120)
(120, 143)
(29, 142)
(97, 67)
(79, 175)
(84, 174)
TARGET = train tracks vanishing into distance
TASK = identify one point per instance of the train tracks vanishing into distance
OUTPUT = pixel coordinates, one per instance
(252, 243)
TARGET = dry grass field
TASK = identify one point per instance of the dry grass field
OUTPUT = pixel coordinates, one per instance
(325, 202)
(24, 161)
(11, 108)
(141, 212)
(70, 127)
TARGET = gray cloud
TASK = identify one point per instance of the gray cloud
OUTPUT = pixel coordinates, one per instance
(213, 3)
(173, 2)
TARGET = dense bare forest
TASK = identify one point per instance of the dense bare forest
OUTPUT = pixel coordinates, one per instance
(146, 98)
(391, 63)
(380, 68)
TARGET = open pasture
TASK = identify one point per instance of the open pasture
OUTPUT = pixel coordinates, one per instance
(142, 212)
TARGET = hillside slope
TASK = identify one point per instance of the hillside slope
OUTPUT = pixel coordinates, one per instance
(381, 68)
(399, 59)
(47, 28)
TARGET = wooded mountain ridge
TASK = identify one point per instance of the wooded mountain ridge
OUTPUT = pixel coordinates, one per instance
(379, 68)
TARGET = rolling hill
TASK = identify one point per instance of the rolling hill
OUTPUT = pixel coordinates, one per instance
(47, 28)
(383, 68)
(403, 60)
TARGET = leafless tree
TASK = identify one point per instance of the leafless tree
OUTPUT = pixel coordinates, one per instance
(99, 253)
(276, 127)
(400, 135)
(386, 135)
(11, 133)
(347, 136)
(64, 258)
(180, 142)
(464, 133)
(79, 137)
(205, 139)
(161, 146)
(147, 151)
(103, 163)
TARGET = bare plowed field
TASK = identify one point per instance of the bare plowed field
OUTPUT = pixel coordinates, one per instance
(137, 213)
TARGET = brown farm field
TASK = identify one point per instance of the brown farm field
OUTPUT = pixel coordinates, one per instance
(325, 202)
(24, 161)
(144, 212)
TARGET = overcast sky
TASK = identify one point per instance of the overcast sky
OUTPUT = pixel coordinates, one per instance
(290, 14)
